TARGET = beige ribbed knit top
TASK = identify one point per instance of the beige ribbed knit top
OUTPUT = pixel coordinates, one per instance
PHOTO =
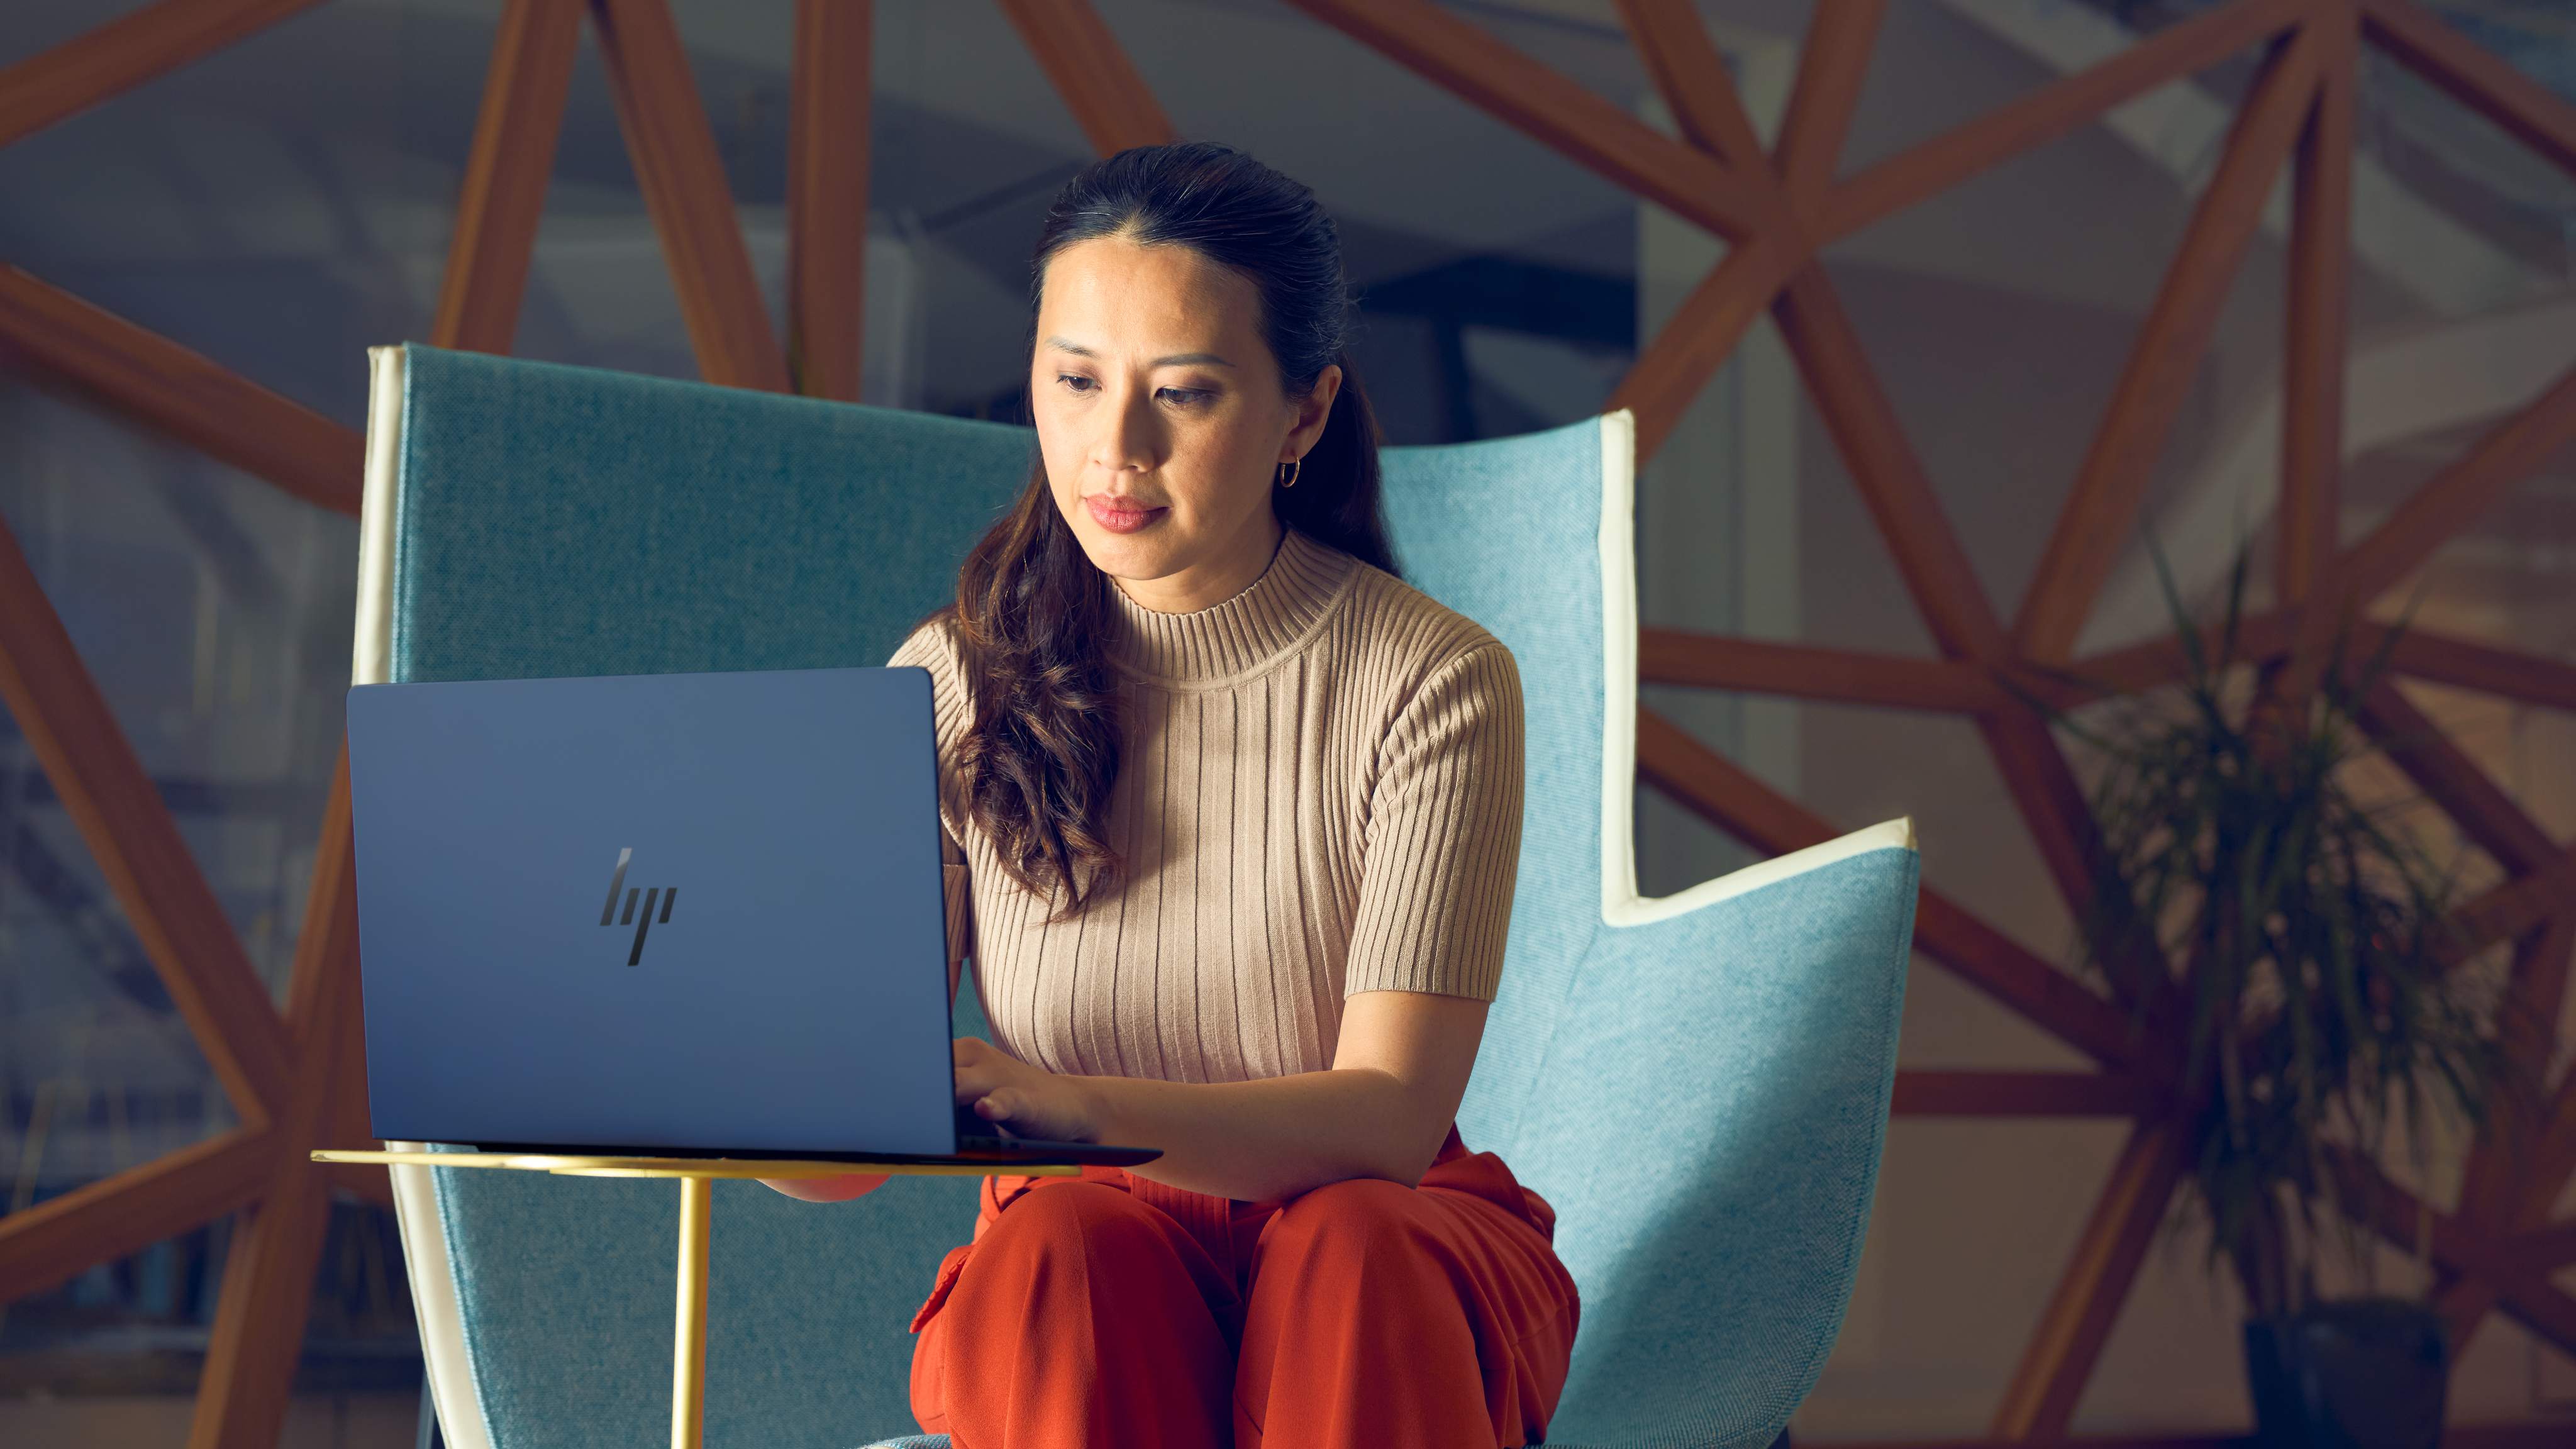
(1320, 794)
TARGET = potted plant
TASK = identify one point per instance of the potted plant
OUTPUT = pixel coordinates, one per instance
(2296, 940)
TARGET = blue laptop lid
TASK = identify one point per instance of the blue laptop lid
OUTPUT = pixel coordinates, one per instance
(685, 912)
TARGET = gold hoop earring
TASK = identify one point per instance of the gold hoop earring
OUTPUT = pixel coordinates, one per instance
(1293, 465)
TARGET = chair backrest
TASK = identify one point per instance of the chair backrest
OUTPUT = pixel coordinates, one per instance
(1698, 1083)
(526, 519)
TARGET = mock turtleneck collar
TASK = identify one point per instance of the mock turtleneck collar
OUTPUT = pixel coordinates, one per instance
(1269, 617)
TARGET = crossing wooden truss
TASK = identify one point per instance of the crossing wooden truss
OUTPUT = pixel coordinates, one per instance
(296, 1079)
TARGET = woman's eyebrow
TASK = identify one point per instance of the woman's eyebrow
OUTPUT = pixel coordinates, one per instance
(1178, 359)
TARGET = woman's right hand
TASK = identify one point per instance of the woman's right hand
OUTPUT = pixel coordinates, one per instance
(827, 1189)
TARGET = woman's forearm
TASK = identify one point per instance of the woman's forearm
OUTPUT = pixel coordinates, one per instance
(1273, 1138)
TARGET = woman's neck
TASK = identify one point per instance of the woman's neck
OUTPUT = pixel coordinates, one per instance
(1211, 581)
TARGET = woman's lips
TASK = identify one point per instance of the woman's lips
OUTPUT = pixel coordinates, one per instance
(1120, 515)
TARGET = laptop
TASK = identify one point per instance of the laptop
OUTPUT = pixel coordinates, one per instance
(687, 915)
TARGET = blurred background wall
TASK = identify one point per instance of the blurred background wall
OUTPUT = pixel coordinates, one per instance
(288, 201)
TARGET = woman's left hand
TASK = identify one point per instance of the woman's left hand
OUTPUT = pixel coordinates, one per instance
(1026, 1100)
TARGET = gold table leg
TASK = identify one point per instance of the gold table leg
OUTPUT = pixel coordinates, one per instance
(689, 1340)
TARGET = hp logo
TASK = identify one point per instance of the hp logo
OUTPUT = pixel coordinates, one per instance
(609, 916)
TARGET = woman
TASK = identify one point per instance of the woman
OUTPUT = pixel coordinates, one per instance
(1238, 813)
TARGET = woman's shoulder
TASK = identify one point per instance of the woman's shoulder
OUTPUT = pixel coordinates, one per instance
(1394, 624)
(931, 645)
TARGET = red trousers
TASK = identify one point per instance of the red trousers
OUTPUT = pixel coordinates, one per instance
(1109, 1310)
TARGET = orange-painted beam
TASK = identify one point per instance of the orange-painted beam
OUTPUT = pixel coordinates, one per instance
(827, 196)
(1950, 1093)
(102, 785)
(63, 1237)
(1723, 794)
(1698, 338)
(1091, 71)
(258, 1333)
(2055, 110)
(2474, 76)
(101, 64)
(1832, 63)
(683, 181)
(2313, 341)
(2041, 1398)
(1801, 671)
(1689, 73)
(1553, 110)
(504, 195)
(2454, 499)
(164, 386)
(2100, 515)
(1883, 465)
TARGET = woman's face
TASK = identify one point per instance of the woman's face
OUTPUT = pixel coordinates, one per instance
(1161, 418)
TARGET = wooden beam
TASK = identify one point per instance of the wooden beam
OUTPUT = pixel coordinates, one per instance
(2404, 1219)
(1691, 76)
(2512, 909)
(1925, 1093)
(1715, 789)
(2154, 663)
(258, 1333)
(2021, 980)
(1092, 72)
(2507, 1149)
(2542, 1250)
(168, 388)
(102, 786)
(2041, 1398)
(2313, 343)
(2051, 800)
(347, 1122)
(2463, 1303)
(1718, 791)
(262, 1310)
(2552, 1160)
(2446, 775)
(1557, 112)
(1708, 661)
(1831, 66)
(2538, 1175)
(1698, 338)
(827, 196)
(1865, 430)
(2055, 110)
(2468, 664)
(683, 181)
(62, 1237)
(2101, 512)
(2474, 76)
(2458, 494)
(504, 194)
(124, 53)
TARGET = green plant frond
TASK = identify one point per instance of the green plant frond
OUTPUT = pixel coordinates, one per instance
(2311, 932)
(2185, 630)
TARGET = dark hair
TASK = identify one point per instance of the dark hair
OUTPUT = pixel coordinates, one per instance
(1033, 611)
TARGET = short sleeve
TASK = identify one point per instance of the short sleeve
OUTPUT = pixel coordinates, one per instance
(1442, 845)
(928, 647)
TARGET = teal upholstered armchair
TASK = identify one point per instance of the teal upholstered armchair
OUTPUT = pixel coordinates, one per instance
(1698, 1083)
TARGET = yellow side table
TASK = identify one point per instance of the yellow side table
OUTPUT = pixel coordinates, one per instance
(697, 1177)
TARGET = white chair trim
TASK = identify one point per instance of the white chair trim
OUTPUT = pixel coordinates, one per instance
(424, 1232)
(1620, 903)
